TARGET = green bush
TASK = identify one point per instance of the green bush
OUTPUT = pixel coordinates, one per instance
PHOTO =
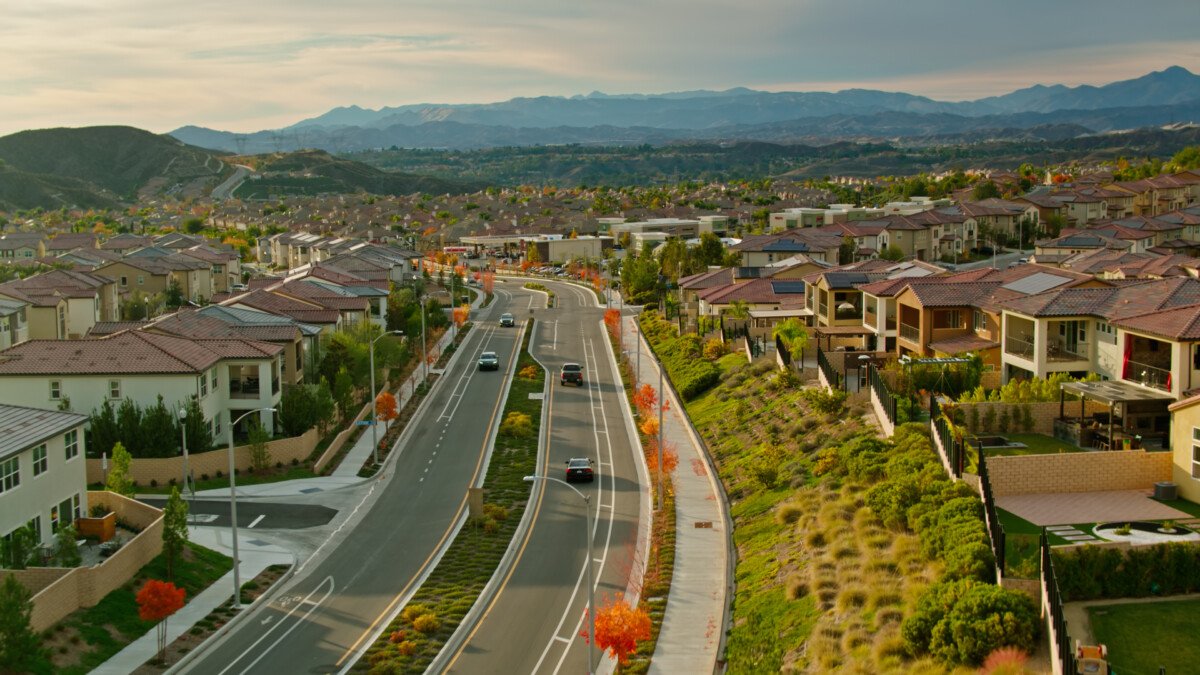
(965, 620)
(826, 402)
(1091, 572)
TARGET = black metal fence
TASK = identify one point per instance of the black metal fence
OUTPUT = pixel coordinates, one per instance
(1060, 643)
(951, 450)
(995, 529)
(879, 386)
(832, 376)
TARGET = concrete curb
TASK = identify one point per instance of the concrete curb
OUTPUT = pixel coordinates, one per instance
(488, 594)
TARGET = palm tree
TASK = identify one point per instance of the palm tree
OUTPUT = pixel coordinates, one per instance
(793, 334)
(739, 309)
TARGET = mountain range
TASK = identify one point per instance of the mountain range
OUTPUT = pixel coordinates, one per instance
(1163, 97)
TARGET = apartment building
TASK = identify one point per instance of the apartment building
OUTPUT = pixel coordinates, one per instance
(43, 479)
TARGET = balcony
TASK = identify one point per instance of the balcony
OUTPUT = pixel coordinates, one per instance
(245, 388)
(1147, 375)
(910, 333)
(1019, 346)
(871, 320)
(1059, 351)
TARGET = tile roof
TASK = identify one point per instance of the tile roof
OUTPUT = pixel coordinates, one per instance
(129, 352)
(963, 343)
(953, 294)
(22, 428)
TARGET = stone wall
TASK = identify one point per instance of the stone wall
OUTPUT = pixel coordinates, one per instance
(1044, 414)
(58, 591)
(165, 469)
(1078, 472)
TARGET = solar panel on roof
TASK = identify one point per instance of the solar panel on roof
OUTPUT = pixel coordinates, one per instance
(1036, 283)
(780, 287)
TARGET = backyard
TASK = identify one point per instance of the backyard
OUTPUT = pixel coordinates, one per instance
(1035, 444)
(1144, 637)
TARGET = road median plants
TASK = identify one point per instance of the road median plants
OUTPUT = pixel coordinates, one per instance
(411, 642)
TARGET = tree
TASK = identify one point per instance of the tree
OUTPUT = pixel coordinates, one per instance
(739, 309)
(385, 409)
(620, 627)
(260, 452)
(711, 251)
(20, 647)
(199, 439)
(19, 549)
(532, 255)
(156, 601)
(118, 476)
(893, 252)
(793, 334)
(343, 394)
(175, 529)
(102, 429)
(159, 431)
(193, 225)
(323, 406)
(298, 408)
(985, 189)
(174, 293)
(66, 549)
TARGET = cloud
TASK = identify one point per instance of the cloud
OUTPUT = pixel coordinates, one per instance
(245, 66)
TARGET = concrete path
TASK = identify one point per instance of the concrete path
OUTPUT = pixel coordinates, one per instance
(694, 620)
(255, 555)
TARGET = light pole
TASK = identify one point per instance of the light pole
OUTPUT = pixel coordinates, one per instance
(183, 431)
(237, 583)
(661, 396)
(587, 508)
(375, 434)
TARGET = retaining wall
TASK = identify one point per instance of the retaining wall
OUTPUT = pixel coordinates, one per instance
(1078, 472)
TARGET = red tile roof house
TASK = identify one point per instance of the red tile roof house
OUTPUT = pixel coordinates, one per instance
(63, 303)
(227, 375)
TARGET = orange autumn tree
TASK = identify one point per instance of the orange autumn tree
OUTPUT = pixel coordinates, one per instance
(156, 601)
(385, 409)
(645, 399)
(489, 282)
(461, 314)
(670, 456)
(620, 627)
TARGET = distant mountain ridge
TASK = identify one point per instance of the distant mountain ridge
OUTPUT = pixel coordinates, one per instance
(1156, 98)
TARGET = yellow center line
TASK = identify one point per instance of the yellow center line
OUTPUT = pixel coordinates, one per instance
(462, 505)
(525, 542)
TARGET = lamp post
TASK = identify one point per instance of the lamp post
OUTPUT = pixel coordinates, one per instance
(661, 396)
(183, 431)
(374, 433)
(587, 508)
(237, 582)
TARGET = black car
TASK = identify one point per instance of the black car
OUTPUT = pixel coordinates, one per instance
(580, 469)
(489, 361)
(506, 320)
(573, 373)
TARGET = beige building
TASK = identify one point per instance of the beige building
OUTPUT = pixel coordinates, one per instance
(43, 477)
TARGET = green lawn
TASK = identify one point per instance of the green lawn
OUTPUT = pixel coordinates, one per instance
(1190, 508)
(1022, 550)
(1036, 444)
(1144, 637)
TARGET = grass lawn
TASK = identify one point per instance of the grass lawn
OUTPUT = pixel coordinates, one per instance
(1143, 637)
(1022, 553)
(1190, 508)
(1036, 444)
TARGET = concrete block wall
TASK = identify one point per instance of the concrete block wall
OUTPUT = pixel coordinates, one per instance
(162, 469)
(1078, 472)
(1044, 414)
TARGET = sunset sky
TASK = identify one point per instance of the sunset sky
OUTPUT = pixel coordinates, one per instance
(246, 66)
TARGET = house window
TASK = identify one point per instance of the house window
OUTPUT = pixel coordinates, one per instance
(980, 320)
(114, 389)
(203, 384)
(10, 475)
(55, 390)
(62, 322)
(71, 441)
(213, 377)
(76, 511)
(1195, 452)
(141, 280)
(40, 465)
(217, 426)
(124, 281)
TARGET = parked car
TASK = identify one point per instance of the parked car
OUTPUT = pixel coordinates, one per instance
(571, 372)
(506, 320)
(985, 250)
(489, 361)
(580, 469)
(239, 287)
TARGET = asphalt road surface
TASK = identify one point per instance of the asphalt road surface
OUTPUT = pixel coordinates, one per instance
(255, 514)
(534, 623)
(348, 590)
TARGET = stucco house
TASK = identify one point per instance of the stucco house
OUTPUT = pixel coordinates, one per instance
(43, 479)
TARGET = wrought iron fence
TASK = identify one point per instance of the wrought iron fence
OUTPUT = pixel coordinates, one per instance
(882, 392)
(950, 449)
(1059, 642)
(832, 376)
(995, 529)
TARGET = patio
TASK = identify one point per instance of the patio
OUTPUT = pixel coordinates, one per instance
(1069, 508)
(1145, 410)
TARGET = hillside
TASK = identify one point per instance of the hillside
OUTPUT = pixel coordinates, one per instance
(311, 172)
(119, 160)
(25, 190)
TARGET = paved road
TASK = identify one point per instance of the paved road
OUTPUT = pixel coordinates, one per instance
(343, 595)
(534, 623)
(254, 514)
(225, 190)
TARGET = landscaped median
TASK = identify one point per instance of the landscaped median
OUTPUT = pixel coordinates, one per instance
(414, 638)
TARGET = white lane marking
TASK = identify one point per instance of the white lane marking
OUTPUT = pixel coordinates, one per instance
(256, 521)
(561, 639)
(307, 600)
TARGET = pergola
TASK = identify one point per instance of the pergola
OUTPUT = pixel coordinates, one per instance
(1111, 392)
(829, 332)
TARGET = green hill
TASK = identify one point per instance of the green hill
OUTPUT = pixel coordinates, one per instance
(316, 171)
(24, 190)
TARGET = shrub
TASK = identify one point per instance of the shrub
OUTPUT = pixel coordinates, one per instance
(989, 419)
(1005, 420)
(413, 611)
(529, 372)
(825, 402)
(517, 425)
(973, 420)
(495, 512)
(984, 619)
(426, 623)
(407, 648)
(714, 349)
(1028, 422)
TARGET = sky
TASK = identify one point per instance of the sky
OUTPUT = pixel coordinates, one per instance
(265, 64)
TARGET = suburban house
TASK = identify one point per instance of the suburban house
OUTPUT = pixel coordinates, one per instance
(14, 322)
(150, 271)
(63, 304)
(67, 241)
(124, 243)
(23, 246)
(761, 250)
(226, 266)
(1185, 447)
(1078, 241)
(835, 298)
(43, 479)
(1161, 194)
(227, 375)
(316, 314)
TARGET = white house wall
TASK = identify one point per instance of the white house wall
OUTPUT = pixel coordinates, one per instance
(35, 496)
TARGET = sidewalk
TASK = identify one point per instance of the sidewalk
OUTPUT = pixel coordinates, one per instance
(256, 556)
(693, 622)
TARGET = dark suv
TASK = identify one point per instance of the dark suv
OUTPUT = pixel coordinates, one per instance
(573, 373)
(506, 320)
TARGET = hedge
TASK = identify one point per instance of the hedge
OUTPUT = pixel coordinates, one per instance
(1093, 572)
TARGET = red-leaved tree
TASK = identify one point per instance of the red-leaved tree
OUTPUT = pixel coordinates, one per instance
(156, 601)
(620, 627)
(645, 399)
(385, 409)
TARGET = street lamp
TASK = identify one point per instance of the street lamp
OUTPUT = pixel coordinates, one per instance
(375, 434)
(237, 584)
(183, 431)
(587, 509)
